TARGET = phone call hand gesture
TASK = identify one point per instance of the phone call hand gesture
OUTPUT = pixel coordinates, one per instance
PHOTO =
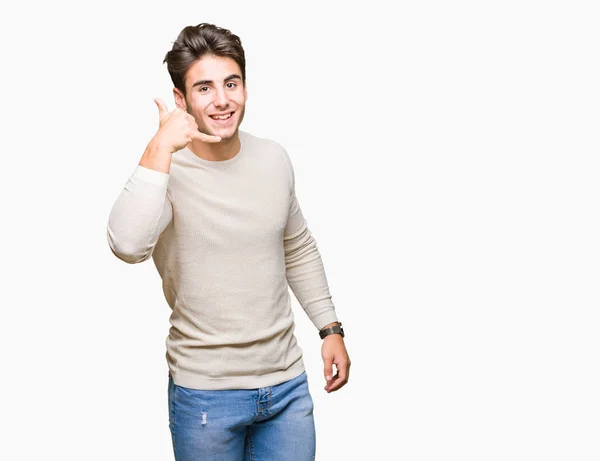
(178, 128)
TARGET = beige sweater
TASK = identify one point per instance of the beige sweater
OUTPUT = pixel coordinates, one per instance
(227, 238)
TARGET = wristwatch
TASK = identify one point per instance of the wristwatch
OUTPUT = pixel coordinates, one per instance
(332, 330)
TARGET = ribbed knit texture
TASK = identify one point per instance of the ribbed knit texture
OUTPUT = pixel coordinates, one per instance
(227, 238)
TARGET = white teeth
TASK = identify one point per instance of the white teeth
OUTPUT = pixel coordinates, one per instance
(221, 117)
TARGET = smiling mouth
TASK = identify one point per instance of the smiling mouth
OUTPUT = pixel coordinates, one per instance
(222, 117)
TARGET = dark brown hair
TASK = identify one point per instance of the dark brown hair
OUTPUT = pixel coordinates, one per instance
(194, 42)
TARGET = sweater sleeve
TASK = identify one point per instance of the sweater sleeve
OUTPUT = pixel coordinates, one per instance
(140, 214)
(305, 272)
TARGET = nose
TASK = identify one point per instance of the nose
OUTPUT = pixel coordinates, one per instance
(221, 99)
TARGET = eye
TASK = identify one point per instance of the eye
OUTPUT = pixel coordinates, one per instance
(203, 89)
(231, 85)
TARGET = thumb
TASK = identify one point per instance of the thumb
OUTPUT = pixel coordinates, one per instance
(162, 108)
(328, 370)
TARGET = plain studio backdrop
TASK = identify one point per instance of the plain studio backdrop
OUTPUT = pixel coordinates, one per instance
(446, 156)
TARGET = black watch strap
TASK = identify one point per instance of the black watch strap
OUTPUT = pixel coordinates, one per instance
(335, 329)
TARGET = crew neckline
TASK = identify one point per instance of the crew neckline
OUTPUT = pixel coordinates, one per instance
(220, 163)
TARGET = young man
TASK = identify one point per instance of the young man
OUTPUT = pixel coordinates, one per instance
(215, 207)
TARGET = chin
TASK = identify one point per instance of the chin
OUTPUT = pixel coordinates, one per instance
(226, 134)
(224, 137)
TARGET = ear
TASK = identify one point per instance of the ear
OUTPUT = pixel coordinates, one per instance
(245, 91)
(179, 99)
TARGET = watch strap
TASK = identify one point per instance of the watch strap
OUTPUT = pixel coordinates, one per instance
(335, 329)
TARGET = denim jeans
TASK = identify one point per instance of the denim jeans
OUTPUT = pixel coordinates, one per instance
(272, 423)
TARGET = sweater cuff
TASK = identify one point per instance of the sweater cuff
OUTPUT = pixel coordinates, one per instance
(325, 318)
(152, 176)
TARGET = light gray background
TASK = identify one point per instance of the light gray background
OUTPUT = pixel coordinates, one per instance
(446, 156)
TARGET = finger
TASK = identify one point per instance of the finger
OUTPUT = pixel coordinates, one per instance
(335, 384)
(163, 111)
(340, 378)
(330, 386)
(205, 137)
(328, 369)
(343, 369)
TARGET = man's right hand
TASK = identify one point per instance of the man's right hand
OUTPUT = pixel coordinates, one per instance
(177, 129)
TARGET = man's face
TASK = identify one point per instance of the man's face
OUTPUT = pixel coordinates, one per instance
(215, 95)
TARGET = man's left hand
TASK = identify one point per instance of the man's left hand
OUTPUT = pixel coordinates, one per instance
(334, 353)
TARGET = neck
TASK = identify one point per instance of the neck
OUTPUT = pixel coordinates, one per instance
(218, 151)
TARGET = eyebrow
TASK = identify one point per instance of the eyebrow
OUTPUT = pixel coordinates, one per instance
(210, 82)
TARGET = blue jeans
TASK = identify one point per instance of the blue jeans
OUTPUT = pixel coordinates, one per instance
(272, 423)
